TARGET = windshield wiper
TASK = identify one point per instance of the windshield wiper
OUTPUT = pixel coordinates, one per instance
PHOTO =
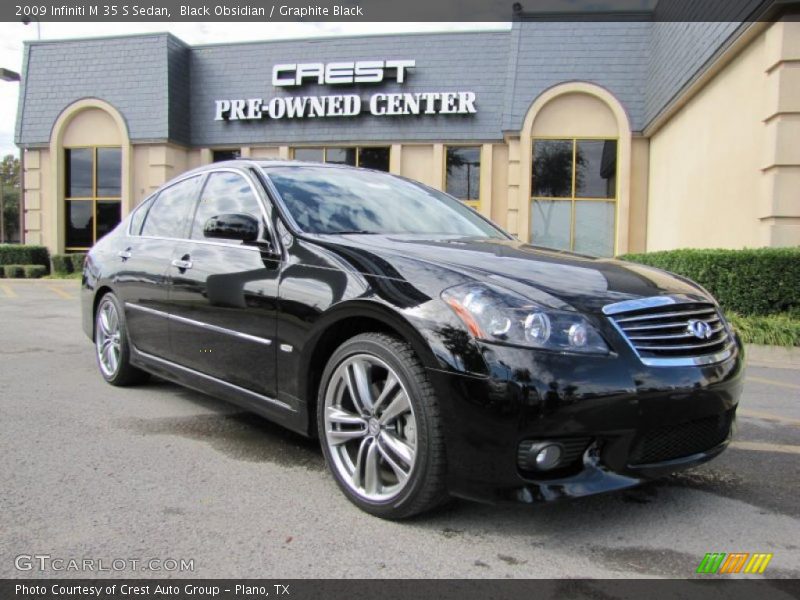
(347, 231)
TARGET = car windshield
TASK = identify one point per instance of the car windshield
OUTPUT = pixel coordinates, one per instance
(330, 200)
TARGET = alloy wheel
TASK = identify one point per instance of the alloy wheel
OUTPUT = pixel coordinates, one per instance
(370, 428)
(108, 339)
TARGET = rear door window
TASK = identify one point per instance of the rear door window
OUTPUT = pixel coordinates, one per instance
(168, 216)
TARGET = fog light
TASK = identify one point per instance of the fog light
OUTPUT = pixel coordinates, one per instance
(548, 457)
(540, 456)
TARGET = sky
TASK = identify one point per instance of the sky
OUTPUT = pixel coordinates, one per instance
(12, 36)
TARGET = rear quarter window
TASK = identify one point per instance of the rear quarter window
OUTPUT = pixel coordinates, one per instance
(138, 216)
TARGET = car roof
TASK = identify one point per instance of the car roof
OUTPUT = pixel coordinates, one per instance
(241, 163)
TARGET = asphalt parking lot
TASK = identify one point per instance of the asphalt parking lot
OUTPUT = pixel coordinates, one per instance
(92, 471)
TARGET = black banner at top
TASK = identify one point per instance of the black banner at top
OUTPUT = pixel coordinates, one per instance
(397, 10)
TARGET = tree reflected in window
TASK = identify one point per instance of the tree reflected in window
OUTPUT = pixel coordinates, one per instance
(567, 170)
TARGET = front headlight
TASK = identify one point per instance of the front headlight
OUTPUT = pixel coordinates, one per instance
(497, 315)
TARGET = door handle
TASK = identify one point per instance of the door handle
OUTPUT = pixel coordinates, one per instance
(182, 264)
(124, 254)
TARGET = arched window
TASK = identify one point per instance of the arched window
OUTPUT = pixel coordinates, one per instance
(90, 169)
(578, 159)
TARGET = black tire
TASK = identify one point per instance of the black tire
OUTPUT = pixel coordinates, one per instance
(125, 374)
(425, 488)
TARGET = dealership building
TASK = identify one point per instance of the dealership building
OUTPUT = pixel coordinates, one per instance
(598, 137)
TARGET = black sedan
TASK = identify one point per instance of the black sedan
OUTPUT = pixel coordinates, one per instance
(431, 353)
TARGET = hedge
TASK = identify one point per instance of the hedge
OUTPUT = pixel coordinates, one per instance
(34, 271)
(12, 271)
(77, 261)
(18, 254)
(760, 281)
(62, 264)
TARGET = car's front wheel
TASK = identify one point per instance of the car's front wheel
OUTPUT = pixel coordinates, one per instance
(111, 344)
(380, 428)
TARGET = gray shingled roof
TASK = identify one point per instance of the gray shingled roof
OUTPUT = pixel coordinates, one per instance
(165, 89)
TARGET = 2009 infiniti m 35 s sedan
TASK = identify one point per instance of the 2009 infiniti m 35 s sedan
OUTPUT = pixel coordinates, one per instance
(431, 353)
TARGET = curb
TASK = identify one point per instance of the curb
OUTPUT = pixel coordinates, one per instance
(775, 357)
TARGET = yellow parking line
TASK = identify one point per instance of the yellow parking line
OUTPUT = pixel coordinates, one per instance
(766, 447)
(755, 414)
(791, 386)
(60, 292)
(8, 291)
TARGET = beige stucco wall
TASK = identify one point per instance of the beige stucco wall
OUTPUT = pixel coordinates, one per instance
(499, 208)
(779, 206)
(575, 114)
(640, 168)
(417, 162)
(37, 197)
(705, 176)
(154, 164)
(92, 127)
(725, 169)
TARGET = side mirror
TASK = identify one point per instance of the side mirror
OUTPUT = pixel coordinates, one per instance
(233, 226)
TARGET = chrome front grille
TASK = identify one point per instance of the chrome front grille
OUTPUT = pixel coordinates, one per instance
(672, 330)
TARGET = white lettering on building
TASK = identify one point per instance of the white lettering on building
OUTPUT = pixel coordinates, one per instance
(337, 73)
(348, 105)
(344, 105)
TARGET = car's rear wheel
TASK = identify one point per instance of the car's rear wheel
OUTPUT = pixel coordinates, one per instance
(379, 424)
(111, 344)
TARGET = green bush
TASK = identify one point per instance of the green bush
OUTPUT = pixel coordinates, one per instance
(77, 261)
(62, 264)
(18, 254)
(761, 281)
(12, 271)
(34, 271)
(772, 330)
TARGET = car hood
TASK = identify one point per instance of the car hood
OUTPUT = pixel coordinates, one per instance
(555, 278)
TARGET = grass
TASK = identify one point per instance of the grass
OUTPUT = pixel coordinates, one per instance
(782, 329)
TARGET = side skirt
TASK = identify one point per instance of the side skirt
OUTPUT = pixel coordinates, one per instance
(275, 410)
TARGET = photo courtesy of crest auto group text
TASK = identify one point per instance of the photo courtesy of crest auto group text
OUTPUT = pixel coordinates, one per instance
(298, 301)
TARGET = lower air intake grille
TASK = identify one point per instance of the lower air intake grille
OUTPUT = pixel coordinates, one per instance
(678, 441)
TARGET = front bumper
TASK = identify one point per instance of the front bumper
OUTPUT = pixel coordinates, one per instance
(615, 403)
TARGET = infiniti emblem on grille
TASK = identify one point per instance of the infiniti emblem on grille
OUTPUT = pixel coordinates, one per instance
(699, 329)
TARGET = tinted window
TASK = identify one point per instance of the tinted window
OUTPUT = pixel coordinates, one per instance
(374, 158)
(336, 200)
(220, 155)
(464, 173)
(224, 193)
(109, 172)
(167, 217)
(79, 173)
(309, 154)
(552, 168)
(137, 219)
(80, 226)
(341, 156)
(596, 168)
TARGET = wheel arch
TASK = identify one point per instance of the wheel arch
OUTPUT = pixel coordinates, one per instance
(342, 324)
(98, 295)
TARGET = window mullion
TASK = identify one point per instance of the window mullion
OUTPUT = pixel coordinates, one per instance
(572, 198)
